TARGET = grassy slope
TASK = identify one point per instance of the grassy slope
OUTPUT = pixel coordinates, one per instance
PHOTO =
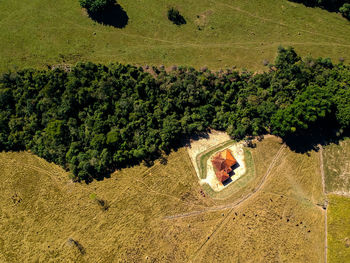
(339, 229)
(134, 229)
(242, 33)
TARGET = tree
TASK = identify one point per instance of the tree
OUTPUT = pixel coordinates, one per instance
(308, 108)
(175, 16)
(345, 10)
(96, 6)
(97, 118)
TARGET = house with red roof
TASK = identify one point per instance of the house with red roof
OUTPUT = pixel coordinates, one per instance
(223, 163)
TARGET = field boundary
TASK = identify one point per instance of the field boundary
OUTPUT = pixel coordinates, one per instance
(326, 202)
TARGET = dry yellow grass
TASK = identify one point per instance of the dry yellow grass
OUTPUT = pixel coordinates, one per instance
(134, 229)
(52, 210)
(337, 167)
(274, 225)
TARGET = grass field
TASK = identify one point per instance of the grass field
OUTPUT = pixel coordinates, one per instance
(280, 223)
(336, 158)
(338, 229)
(40, 209)
(337, 167)
(243, 33)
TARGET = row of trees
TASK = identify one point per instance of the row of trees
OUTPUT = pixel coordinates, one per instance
(343, 6)
(95, 118)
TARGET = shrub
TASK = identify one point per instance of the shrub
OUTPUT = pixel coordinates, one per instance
(96, 6)
(345, 10)
(175, 17)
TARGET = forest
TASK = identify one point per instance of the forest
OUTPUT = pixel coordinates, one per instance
(92, 119)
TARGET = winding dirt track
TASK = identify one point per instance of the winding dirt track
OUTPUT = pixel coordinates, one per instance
(238, 202)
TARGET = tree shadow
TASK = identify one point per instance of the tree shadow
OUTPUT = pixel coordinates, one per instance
(175, 17)
(311, 141)
(331, 6)
(113, 16)
(186, 141)
(232, 173)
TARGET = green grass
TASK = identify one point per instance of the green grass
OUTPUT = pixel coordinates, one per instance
(35, 33)
(338, 229)
(336, 159)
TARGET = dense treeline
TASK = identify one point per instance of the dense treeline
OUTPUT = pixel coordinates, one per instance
(93, 118)
(343, 6)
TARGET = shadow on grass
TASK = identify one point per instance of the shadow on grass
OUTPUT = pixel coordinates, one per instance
(310, 141)
(331, 6)
(114, 16)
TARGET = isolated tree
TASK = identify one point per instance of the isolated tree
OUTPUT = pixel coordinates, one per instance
(96, 6)
(175, 16)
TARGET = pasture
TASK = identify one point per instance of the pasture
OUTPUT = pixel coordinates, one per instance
(338, 229)
(337, 167)
(160, 213)
(218, 33)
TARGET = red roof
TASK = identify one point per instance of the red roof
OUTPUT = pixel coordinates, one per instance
(222, 163)
(222, 176)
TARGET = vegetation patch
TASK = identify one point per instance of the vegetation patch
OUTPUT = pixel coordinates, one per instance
(94, 119)
(338, 228)
(345, 10)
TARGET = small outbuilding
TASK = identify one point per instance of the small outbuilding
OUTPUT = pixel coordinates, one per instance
(223, 163)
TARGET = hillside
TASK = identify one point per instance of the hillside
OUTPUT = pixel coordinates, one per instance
(217, 34)
(42, 212)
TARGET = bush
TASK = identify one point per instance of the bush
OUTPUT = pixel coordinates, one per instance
(175, 17)
(96, 6)
(345, 10)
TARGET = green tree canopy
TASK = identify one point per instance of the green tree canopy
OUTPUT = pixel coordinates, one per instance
(96, 6)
